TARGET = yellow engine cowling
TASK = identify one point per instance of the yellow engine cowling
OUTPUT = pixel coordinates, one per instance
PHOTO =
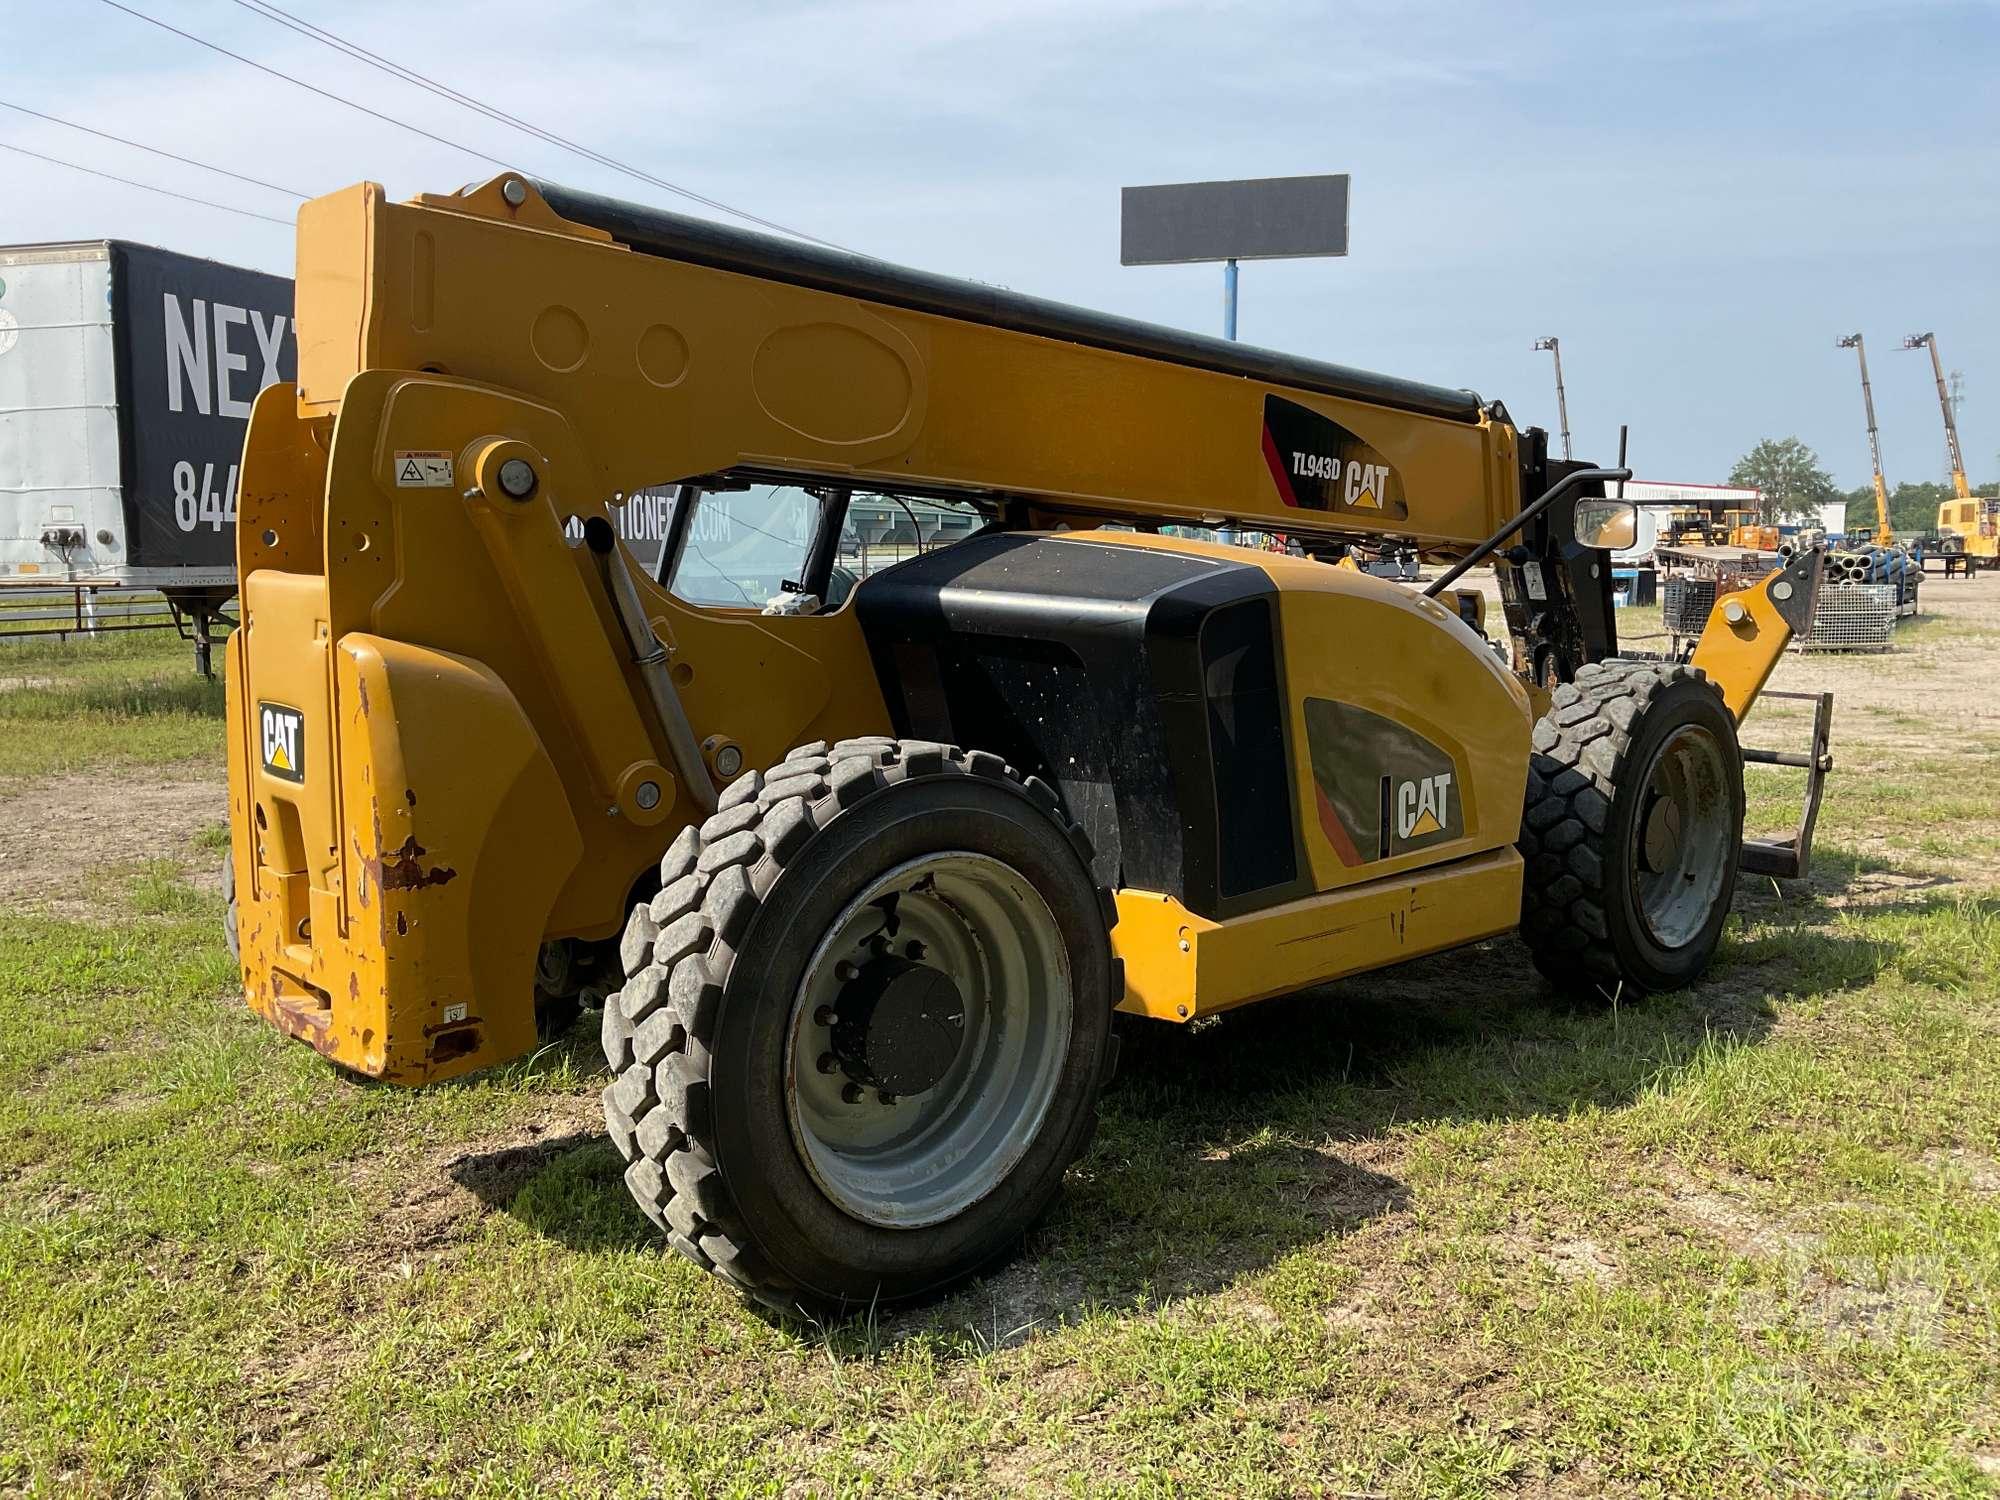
(1409, 754)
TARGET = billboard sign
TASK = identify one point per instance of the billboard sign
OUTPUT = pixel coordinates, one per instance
(1258, 218)
(198, 340)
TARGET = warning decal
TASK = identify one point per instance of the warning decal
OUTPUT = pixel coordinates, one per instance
(423, 469)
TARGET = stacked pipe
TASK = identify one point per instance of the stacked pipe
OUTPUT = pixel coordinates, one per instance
(1868, 564)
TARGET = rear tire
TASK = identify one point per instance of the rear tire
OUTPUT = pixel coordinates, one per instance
(554, 1015)
(1633, 824)
(904, 1164)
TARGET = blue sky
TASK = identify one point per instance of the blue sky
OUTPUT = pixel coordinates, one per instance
(1696, 198)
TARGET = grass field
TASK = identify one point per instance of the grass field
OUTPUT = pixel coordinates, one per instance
(1425, 1233)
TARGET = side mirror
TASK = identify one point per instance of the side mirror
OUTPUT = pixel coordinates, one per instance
(1611, 524)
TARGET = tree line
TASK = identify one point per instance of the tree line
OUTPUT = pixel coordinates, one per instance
(1795, 484)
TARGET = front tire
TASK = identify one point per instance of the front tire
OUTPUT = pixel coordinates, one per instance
(1633, 824)
(864, 1025)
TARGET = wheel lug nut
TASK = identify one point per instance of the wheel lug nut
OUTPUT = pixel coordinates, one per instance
(824, 1016)
(844, 971)
(886, 1097)
(851, 1094)
(828, 1063)
(916, 950)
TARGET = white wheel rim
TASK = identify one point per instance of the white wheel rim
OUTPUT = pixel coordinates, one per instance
(924, 1158)
(1682, 851)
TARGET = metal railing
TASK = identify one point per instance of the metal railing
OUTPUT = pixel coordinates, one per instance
(87, 611)
(82, 610)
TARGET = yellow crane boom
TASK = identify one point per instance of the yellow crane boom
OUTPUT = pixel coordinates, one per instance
(1959, 483)
(1884, 533)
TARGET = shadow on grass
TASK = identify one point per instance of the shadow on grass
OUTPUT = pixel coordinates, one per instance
(1226, 1146)
(1839, 877)
(497, 1178)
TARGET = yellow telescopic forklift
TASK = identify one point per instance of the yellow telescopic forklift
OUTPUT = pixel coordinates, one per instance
(1967, 524)
(860, 860)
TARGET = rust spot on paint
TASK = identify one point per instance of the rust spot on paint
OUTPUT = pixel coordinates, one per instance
(307, 1017)
(460, 1041)
(404, 870)
(353, 985)
(402, 925)
(362, 684)
(411, 794)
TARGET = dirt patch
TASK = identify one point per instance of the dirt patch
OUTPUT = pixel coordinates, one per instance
(1580, 1260)
(1024, 1298)
(1981, 1173)
(15, 684)
(286, 1385)
(1023, 1471)
(1876, 887)
(437, 1198)
(54, 833)
(1734, 1221)
(1357, 1318)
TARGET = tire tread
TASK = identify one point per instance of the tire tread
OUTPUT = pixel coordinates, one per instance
(658, 1112)
(1577, 762)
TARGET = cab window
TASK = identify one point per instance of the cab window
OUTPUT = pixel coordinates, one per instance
(743, 548)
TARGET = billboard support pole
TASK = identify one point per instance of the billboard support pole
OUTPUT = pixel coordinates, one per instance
(1229, 298)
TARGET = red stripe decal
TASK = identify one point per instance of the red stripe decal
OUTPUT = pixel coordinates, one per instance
(1284, 480)
(1334, 829)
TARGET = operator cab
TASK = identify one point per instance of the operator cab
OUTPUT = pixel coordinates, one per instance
(796, 548)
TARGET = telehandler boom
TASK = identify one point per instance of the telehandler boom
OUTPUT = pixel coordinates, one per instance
(1885, 534)
(859, 867)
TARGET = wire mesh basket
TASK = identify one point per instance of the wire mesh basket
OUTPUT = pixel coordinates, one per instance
(1685, 603)
(1854, 617)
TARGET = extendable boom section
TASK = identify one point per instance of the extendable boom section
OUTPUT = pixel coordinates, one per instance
(679, 348)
